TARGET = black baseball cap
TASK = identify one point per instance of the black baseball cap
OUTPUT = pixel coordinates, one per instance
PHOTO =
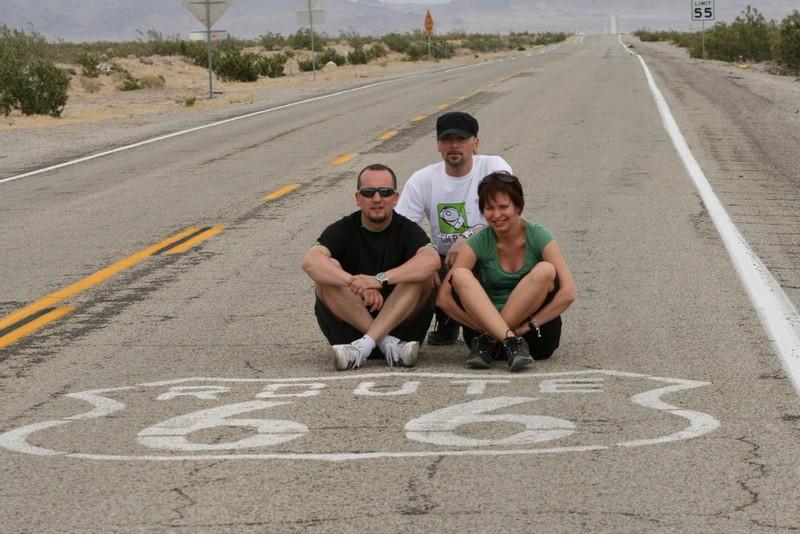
(456, 123)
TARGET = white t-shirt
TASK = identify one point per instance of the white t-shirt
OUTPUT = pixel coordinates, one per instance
(449, 202)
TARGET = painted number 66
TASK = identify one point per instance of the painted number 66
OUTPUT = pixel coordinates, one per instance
(437, 427)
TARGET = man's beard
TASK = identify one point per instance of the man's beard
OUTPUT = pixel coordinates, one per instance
(457, 163)
(376, 218)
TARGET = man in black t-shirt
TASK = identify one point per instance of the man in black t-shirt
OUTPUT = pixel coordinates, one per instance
(373, 272)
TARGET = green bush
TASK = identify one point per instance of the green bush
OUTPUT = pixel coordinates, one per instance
(306, 65)
(485, 43)
(272, 41)
(44, 91)
(301, 40)
(418, 50)
(150, 43)
(649, 37)
(753, 33)
(358, 57)
(329, 54)
(90, 64)
(748, 37)
(353, 39)
(237, 66)
(10, 80)
(398, 42)
(28, 81)
(789, 49)
(195, 52)
(549, 38)
(272, 66)
(377, 50)
(22, 46)
(129, 83)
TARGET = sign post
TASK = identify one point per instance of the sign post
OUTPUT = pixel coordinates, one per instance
(429, 30)
(208, 12)
(306, 15)
(703, 10)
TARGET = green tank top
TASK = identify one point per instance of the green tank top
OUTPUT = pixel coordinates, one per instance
(498, 282)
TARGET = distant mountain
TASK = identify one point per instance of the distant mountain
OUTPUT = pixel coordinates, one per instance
(91, 20)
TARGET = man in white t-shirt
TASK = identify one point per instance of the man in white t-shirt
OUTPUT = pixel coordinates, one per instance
(446, 193)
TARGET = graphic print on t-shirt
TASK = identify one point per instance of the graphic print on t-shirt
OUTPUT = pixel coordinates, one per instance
(452, 217)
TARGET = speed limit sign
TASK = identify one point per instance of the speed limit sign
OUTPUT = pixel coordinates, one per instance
(702, 10)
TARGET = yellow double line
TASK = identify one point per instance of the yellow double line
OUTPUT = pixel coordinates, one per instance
(44, 311)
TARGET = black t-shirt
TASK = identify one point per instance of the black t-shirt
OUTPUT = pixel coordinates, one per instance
(362, 251)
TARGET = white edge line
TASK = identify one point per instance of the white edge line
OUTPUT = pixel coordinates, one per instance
(777, 313)
(232, 119)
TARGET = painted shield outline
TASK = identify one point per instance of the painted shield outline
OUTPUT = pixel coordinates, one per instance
(699, 423)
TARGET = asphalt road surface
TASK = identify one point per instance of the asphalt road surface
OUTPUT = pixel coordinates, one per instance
(187, 388)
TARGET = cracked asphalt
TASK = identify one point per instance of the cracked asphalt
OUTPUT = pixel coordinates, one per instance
(192, 392)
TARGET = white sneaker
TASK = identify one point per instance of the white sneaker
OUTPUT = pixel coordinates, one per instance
(402, 353)
(345, 356)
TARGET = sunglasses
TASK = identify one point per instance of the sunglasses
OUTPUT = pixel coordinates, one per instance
(499, 176)
(369, 192)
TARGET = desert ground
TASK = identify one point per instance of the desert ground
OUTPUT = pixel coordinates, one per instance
(99, 116)
(99, 99)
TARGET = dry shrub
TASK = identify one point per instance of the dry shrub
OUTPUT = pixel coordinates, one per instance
(90, 85)
(153, 82)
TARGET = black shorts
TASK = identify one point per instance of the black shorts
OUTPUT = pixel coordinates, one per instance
(541, 347)
(338, 332)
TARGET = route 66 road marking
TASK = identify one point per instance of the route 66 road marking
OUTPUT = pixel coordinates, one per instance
(357, 416)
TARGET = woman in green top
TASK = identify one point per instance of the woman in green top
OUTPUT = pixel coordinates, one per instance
(510, 285)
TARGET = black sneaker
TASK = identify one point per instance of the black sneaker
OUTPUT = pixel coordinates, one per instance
(445, 332)
(517, 353)
(481, 352)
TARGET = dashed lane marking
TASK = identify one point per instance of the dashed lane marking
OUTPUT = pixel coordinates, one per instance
(343, 158)
(387, 135)
(281, 192)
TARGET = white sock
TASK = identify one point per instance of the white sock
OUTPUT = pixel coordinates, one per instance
(387, 340)
(364, 345)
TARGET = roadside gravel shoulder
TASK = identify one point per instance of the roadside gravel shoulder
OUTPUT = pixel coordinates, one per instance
(743, 126)
(23, 149)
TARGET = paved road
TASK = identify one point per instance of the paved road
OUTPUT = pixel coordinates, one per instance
(191, 392)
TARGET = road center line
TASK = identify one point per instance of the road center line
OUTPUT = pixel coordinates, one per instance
(777, 313)
(35, 322)
(387, 135)
(343, 158)
(207, 233)
(280, 192)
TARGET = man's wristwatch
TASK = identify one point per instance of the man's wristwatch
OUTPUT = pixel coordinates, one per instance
(467, 233)
(383, 278)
